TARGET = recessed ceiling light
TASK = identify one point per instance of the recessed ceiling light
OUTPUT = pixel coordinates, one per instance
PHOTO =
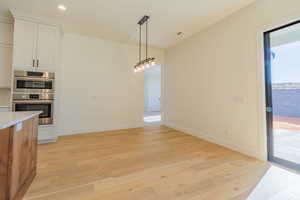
(62, 7)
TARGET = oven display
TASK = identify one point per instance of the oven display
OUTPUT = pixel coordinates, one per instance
(34, 96)
(35, 74)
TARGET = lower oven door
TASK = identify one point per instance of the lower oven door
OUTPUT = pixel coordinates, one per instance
(45, 118)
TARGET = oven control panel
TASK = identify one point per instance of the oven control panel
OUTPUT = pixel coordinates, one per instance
(43, 96)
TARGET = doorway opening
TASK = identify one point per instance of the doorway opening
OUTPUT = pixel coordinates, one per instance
(152, 95)
(282, 75)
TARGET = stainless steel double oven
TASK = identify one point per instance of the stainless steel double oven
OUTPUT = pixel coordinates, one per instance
(34, 91)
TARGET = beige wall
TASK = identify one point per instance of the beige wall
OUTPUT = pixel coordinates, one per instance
(99, 90)
(5, 60)
(4, 97)
(214, 80)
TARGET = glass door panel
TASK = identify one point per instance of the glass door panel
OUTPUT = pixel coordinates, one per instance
(282, 59)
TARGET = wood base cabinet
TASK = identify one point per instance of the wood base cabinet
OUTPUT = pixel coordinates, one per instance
(18, 158)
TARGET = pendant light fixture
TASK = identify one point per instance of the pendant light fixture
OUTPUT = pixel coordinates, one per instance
(147, 62)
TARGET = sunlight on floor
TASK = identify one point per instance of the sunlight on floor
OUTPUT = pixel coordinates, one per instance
(287, 145)
(152, 118)
(149, 119)
(277, 184)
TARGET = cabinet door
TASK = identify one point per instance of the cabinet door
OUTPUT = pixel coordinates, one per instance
(33, 138)
(47, 47)
(25, 38)
(6, 33)
(4, 162)
(23, 167)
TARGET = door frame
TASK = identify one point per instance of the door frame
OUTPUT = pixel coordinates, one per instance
(268, 98)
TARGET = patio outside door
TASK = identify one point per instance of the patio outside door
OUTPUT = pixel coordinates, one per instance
(282, 70)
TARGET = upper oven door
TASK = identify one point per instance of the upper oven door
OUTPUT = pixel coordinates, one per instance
(33, 85)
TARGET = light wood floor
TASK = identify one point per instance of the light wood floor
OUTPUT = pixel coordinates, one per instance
(151, 163)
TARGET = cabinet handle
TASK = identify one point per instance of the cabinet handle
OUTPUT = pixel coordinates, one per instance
(37, 62)
(33, 62)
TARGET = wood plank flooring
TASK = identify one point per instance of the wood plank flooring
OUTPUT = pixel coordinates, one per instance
(151, 163)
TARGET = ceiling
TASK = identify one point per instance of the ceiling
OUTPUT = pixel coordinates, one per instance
(117, 19)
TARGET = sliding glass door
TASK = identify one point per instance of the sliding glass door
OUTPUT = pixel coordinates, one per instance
(282, 70)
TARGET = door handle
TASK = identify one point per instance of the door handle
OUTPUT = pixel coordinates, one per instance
(37, 62)
(33, 62)
(269, 109)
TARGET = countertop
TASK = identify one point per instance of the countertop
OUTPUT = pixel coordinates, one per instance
(8, 119)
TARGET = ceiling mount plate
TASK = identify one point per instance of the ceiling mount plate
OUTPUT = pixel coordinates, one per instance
(143, 20)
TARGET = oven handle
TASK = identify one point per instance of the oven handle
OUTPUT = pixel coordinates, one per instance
(34, 78)
(33, 102)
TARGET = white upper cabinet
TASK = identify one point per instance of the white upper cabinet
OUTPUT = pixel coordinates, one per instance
(5, 52)
(35, 46)
(24, 52)
(5, 66)
(47, 44)
(6, 32)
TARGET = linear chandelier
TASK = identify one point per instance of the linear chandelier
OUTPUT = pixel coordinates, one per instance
(147, 62)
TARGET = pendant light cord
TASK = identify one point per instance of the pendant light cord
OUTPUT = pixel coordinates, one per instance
(147, 39)
(140, 44)
(147, 62)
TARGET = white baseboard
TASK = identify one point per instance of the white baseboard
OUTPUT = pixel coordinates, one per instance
(87, 131)
(220, 141)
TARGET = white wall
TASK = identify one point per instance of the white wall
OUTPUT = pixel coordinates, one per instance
(152, 89)
(99, 90)
(214, 80)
